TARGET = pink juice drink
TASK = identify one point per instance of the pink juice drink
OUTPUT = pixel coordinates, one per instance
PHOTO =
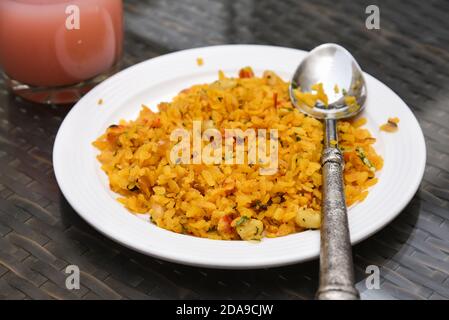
(54, 43)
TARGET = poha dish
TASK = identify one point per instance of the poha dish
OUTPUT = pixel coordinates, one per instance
(232, 202)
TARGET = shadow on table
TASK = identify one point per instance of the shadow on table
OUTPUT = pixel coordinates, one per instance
(138, 276)
(37, 120)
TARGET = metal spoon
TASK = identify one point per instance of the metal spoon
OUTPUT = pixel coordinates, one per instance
(332, 65)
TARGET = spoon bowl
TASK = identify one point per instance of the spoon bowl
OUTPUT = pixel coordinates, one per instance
(341, 76)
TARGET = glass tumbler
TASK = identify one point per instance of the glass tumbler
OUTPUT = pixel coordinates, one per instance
(54, 51)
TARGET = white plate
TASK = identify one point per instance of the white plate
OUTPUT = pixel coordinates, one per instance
(86, 187)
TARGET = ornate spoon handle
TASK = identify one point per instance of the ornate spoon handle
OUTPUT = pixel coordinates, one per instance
(336, 267)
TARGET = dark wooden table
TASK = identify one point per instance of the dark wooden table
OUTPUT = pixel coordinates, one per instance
(40, 234)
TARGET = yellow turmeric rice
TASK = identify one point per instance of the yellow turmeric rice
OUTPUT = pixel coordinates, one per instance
(232, 201)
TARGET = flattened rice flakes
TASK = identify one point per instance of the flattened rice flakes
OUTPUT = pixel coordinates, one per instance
(232, 202)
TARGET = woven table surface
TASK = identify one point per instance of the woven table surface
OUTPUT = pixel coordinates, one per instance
(40, 234)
